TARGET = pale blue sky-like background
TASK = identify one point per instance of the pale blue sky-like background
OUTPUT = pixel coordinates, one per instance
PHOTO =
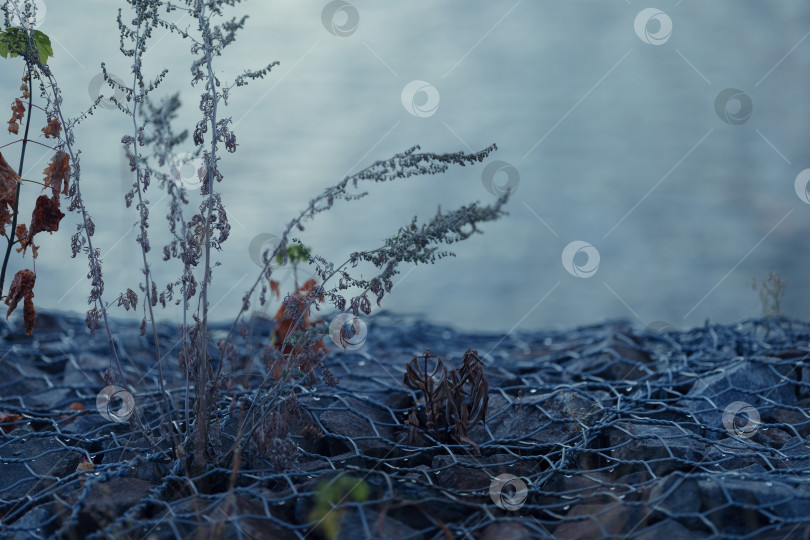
(611, 126)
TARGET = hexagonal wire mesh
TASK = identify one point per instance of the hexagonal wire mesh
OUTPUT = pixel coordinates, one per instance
(601, 431)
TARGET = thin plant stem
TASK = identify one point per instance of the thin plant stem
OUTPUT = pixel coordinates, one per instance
(11, 235)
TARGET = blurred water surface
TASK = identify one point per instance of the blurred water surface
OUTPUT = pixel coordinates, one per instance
(613, 126)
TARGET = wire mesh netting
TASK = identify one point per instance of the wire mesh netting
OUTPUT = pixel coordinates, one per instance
(603, 431)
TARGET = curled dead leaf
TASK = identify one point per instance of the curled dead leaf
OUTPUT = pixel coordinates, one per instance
(52, 129)
(17, 113)
(274, 288)
(25, 240)
(285, 324)
(24, 88)
(22, 287)
(84, 465)
(57, 174)
(8, 181)
(46, 216)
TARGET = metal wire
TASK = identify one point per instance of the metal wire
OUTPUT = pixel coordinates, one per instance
(613, 431)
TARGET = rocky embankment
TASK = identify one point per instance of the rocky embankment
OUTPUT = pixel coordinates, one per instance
(603, 431)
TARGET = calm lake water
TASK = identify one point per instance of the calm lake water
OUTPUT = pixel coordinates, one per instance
(643, 187)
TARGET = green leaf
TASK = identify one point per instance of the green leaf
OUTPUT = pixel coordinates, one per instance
(44, 45)
(295, 254)
(13, 43)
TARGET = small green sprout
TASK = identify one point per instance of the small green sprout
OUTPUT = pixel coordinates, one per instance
(296, 253)
(329, 495)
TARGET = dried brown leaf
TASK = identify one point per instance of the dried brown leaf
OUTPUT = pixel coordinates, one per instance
(8, 181)
(52, 129)
(22, 287)
(25, 240)
(57, 174)
(8, 422)
(274, 287)
(46, 216)
(17, 113)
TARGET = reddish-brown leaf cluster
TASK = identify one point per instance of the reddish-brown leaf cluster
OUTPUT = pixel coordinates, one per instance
(24, 87)
(285, 323)
(456, 399)
(21, 232)
(17, 113)
(52, 129)
(22, 288)
(46, 215)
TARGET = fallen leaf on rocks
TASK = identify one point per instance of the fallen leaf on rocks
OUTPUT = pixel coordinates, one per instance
(85, 465)
(8, 422)
(75, 406)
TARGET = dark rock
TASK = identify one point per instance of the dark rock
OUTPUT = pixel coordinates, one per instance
(134, 453)
(658, 448)
(48, 460)
(108, 500)
(50, 398)
(238, 518)
(355, 422)
(420, 473)
(598, 520)
(471, 473)
(771, 436)
(365, 522)
(797, 451)
(591, 487)
(794, 416)
(738, 506)
(669, 530)
(85, 371)
(745, 381)
(39, 522)
(86, 425)
(49, 322)
(506, 531)
(542, 421)
(675, 495)
(18, 378)
(617, 358)
(732, 454)
(350, 459)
